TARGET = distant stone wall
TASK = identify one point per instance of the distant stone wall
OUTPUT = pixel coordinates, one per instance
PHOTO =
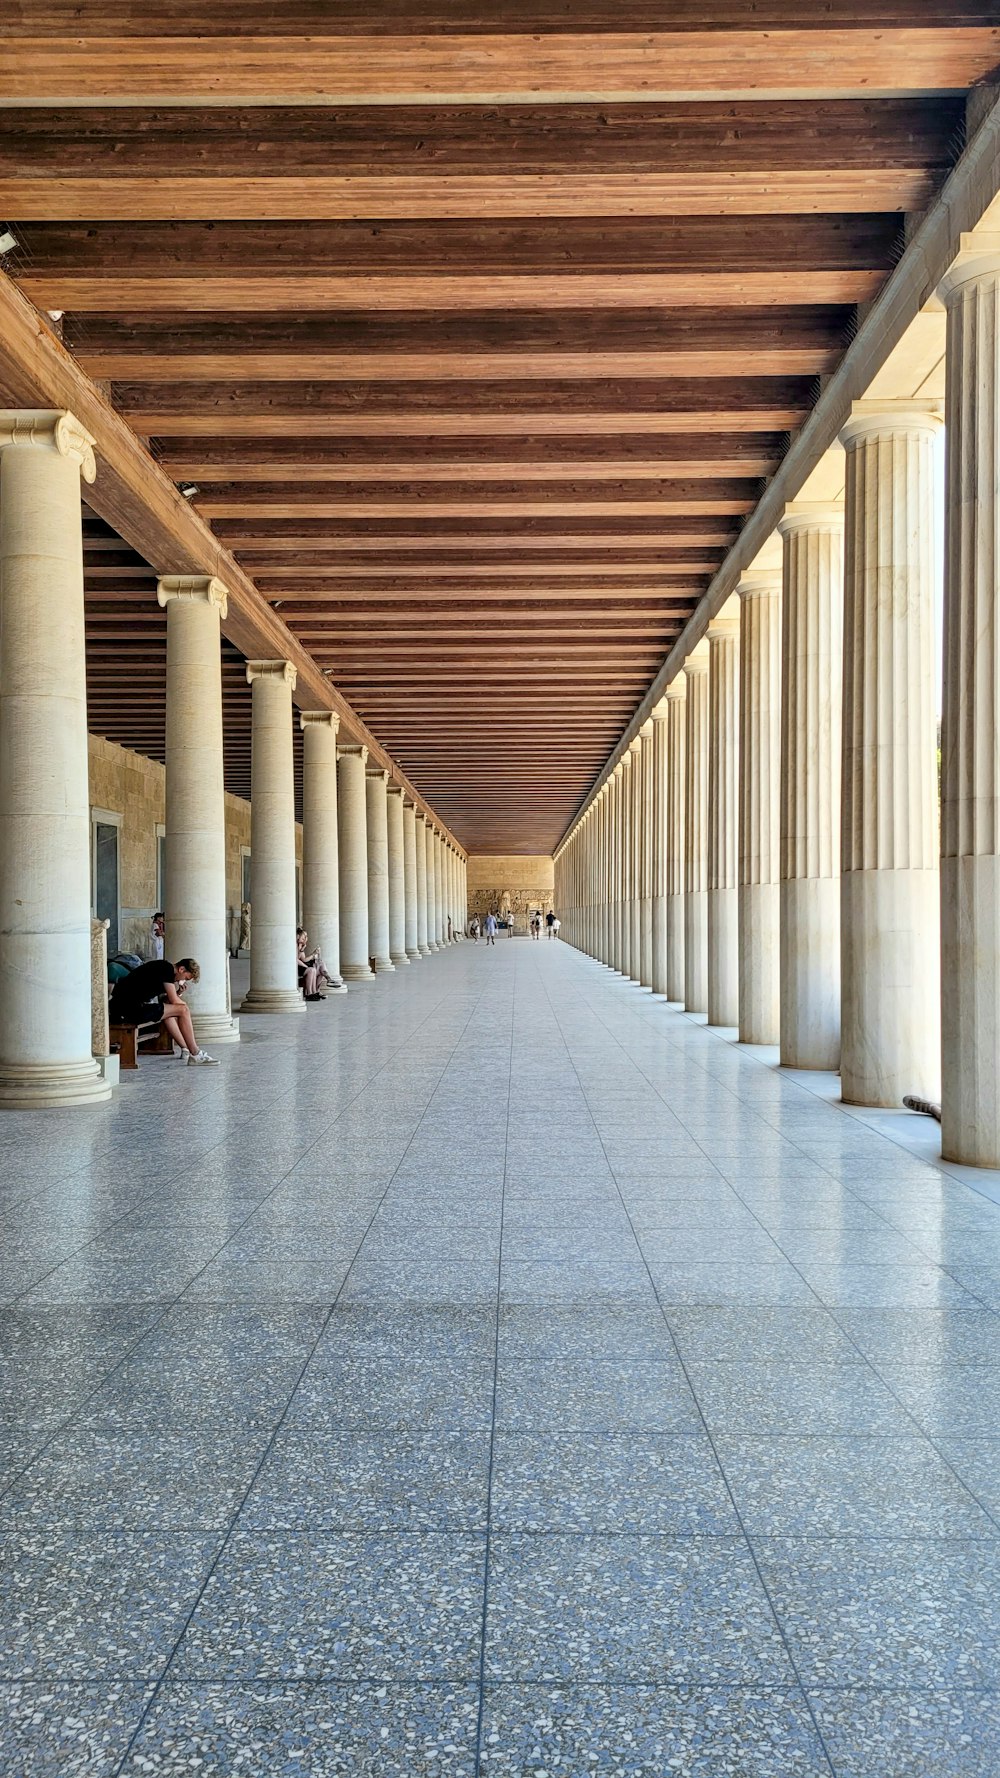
(127, 784)
(501, 881)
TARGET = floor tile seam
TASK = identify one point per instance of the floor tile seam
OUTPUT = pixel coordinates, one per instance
(234, 1520)
(779, 1626)
(483, 1628)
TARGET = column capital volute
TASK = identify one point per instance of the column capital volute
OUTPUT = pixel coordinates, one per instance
(874, 418)
(192, 589)
(272, 670)
(811, 515)
(353, 750)
(674, 693)
(319, 719)
(978, 257)
(377, 771)
(396, 790)
(54, 428)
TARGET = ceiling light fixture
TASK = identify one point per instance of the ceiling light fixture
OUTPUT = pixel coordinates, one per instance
(188, 489)
(8, 241)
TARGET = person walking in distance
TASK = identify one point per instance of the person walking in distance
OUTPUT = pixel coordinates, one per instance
(550, 921)
(491, 929)
(536, 924)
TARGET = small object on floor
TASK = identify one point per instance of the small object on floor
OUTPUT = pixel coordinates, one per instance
(314, 996)
(200, 1059)
(927, 1106)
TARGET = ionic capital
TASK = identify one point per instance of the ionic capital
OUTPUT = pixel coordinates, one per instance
(397, 790)
(978, 257)
(50, 428)
(319, 719)
(891, 419)
(374, 772)
(272, 670)
(353, 750)
(192, 589)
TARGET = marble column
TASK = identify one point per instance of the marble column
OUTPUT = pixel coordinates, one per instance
(723, 816)
(645, 857)
(970, 813)
(320, 844)
(759, 997)
(675, 704)
(432, 919)
(696, 831)
(274, 977)
(625, 769)
(195, 889)
(397, 875)
(614, 870)
(45, 1008)
(635, 862)
(420, 839)
(603, 895)
(890, 999)
(352, 799)
(439, 892)
(658, 853)
(377, 822)
(413, 950)
(812, 622)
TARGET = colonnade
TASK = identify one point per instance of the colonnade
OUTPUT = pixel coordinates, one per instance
(381, 882)
(807, 886)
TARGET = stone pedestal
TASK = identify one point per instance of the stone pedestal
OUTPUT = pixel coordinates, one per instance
(353, 860)
(376, 783)
(812, 621)
(194, 897)
(274, 975)
(696, 832)
(759, 796)
(413, 950)
(420, 837)
(320, 839)
(970, 861)
(675, 705)
(45, 1004)
(100, 1024)
(723, 824)
(397, 884)
(890, 1031)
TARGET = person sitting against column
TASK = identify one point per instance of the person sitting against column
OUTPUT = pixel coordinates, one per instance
(310, 967)
(153, 994)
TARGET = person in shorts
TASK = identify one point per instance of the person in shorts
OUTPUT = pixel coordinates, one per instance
(152, 994)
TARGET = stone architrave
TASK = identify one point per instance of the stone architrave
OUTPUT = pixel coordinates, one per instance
(353, 861)
(812, 624)
(723, 816)
(759, 591)
(274, 981)
(45, 1007)
(194, 897)
(675, 704)
(397, 880)
(320, 839)
(970, 825)
(696, 832)
(890, 990)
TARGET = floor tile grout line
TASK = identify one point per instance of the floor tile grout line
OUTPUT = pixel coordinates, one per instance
(232, 1526)
(708, 1434)
(478, 1749)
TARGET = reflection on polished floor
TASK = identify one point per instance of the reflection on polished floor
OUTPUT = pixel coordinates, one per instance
(494, 1372)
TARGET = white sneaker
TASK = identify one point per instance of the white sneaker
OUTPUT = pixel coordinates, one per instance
(202, 1057)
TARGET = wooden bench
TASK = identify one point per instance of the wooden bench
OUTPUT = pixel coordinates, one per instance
(128, 1040)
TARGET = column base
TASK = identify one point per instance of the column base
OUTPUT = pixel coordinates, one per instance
(383, 966)
(356, 972)
(415, 955)
(334, 988)
(399, 958)
(273, 1000)
(216, 1027)
(37, 1086)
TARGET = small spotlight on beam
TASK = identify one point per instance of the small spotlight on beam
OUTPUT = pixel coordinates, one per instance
(55, 314)
(188, 489)
(8, 240)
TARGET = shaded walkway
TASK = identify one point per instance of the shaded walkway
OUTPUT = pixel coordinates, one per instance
(494, 1367)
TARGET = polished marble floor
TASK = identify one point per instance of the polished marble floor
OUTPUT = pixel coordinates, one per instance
(493, 1373)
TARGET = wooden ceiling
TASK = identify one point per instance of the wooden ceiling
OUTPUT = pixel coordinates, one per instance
(478, 332)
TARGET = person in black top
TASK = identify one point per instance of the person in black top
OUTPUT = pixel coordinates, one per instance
(550, 921)
(153, 993)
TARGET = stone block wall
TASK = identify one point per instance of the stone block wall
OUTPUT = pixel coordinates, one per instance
(504, 881)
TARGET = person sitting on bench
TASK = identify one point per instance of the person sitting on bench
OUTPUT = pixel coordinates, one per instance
(151, 995)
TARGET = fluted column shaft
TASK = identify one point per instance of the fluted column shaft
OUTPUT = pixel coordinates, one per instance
(970, 811)
(320, 839)
(397, 878)
(658, 852)
(420, 849)
(759, 799)
(377, 827)
(625, 864)
(274, 981)
(433, 943)
(439, 896)
(723, 820)
(410, 879)
(353, 858)
(195, 802)
(812, 621)
(675, 704)
(45, 1006)
(889, 839)
(696, 832)
(635, 861)
(645, 975)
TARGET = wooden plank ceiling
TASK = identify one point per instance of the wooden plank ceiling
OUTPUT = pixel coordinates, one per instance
(476, 332)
